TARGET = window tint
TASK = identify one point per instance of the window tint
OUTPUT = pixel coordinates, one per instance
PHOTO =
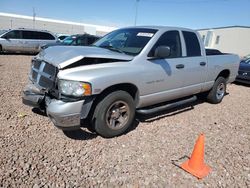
(171, 39)
(81, 41)
(15, 34)
(91, 40)
(36, 35)
(192, 44)
(46, 36)
(28, 34)
(85, 40)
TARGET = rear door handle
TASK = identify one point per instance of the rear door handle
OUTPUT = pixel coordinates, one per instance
(180, 66)
(202, 63)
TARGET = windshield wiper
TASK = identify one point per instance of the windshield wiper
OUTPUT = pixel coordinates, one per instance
(112, 48)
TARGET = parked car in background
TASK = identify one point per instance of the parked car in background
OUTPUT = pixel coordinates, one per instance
(244, 71)
(25, 40)
(247, 56)
(61, 37)
(75, 40)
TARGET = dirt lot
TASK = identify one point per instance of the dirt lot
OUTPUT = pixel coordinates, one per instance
(36, 154)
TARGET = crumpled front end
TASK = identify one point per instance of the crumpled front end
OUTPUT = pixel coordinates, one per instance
(42, 80)
(64, 108)
(32, 96)
(42, 92)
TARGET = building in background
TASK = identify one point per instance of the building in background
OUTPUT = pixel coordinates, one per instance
(233, 39)
(12, 21)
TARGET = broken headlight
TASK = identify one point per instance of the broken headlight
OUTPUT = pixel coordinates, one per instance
(74, 88)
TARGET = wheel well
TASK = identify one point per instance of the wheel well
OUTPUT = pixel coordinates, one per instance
(225, 74)
(130, 88)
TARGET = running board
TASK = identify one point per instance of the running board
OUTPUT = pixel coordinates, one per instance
(166, 107)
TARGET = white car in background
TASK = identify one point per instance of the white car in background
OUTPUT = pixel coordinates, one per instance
(25, 40)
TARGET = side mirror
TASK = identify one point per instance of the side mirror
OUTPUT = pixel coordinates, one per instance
(162, 52)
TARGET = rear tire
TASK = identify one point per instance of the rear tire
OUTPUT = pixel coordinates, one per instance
(114, 114)
(218, 91)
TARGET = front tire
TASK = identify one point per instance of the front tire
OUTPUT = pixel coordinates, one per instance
(217, 93)
(114, 114)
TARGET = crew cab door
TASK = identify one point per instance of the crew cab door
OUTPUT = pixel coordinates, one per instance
(195, 63)
(176, 76)
(163, 78)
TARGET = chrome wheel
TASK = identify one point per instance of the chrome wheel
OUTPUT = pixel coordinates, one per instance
(220, 92)
(117, 115)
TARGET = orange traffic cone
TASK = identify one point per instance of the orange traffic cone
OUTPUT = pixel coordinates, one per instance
(195, 165)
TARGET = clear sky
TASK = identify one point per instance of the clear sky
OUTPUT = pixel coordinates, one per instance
(194, 14)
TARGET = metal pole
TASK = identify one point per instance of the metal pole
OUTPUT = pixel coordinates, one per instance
(136, 10)
(34, 18)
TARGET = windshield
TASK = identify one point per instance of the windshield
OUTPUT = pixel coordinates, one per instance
(246, 60)
(69, 40)
(129, 41)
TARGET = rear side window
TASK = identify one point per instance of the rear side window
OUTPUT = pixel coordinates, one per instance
(46, 36)
(192, 44)
(171, 39)
(29, 35)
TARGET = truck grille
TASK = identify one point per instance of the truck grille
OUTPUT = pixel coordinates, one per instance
(43, 73)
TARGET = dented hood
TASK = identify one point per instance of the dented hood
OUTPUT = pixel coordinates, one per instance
(62, 56)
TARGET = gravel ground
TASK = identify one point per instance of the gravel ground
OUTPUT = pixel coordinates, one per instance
(36, 154)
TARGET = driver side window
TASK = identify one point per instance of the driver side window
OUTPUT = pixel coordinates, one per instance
(170, 39)
(15, 34)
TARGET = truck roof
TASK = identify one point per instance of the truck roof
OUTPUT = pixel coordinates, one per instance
(163, 28)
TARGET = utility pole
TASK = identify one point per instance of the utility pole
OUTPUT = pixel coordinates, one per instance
(136, 10)
(34, 18)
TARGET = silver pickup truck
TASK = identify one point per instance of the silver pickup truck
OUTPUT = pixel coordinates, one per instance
(135, 69)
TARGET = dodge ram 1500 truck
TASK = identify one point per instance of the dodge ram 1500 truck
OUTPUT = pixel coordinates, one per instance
(134, 69)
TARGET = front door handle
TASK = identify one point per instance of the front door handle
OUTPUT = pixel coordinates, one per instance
(202, 63)
(180, 66)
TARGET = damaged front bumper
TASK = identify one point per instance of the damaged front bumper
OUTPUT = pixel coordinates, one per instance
(64, 115)
(33, 96)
